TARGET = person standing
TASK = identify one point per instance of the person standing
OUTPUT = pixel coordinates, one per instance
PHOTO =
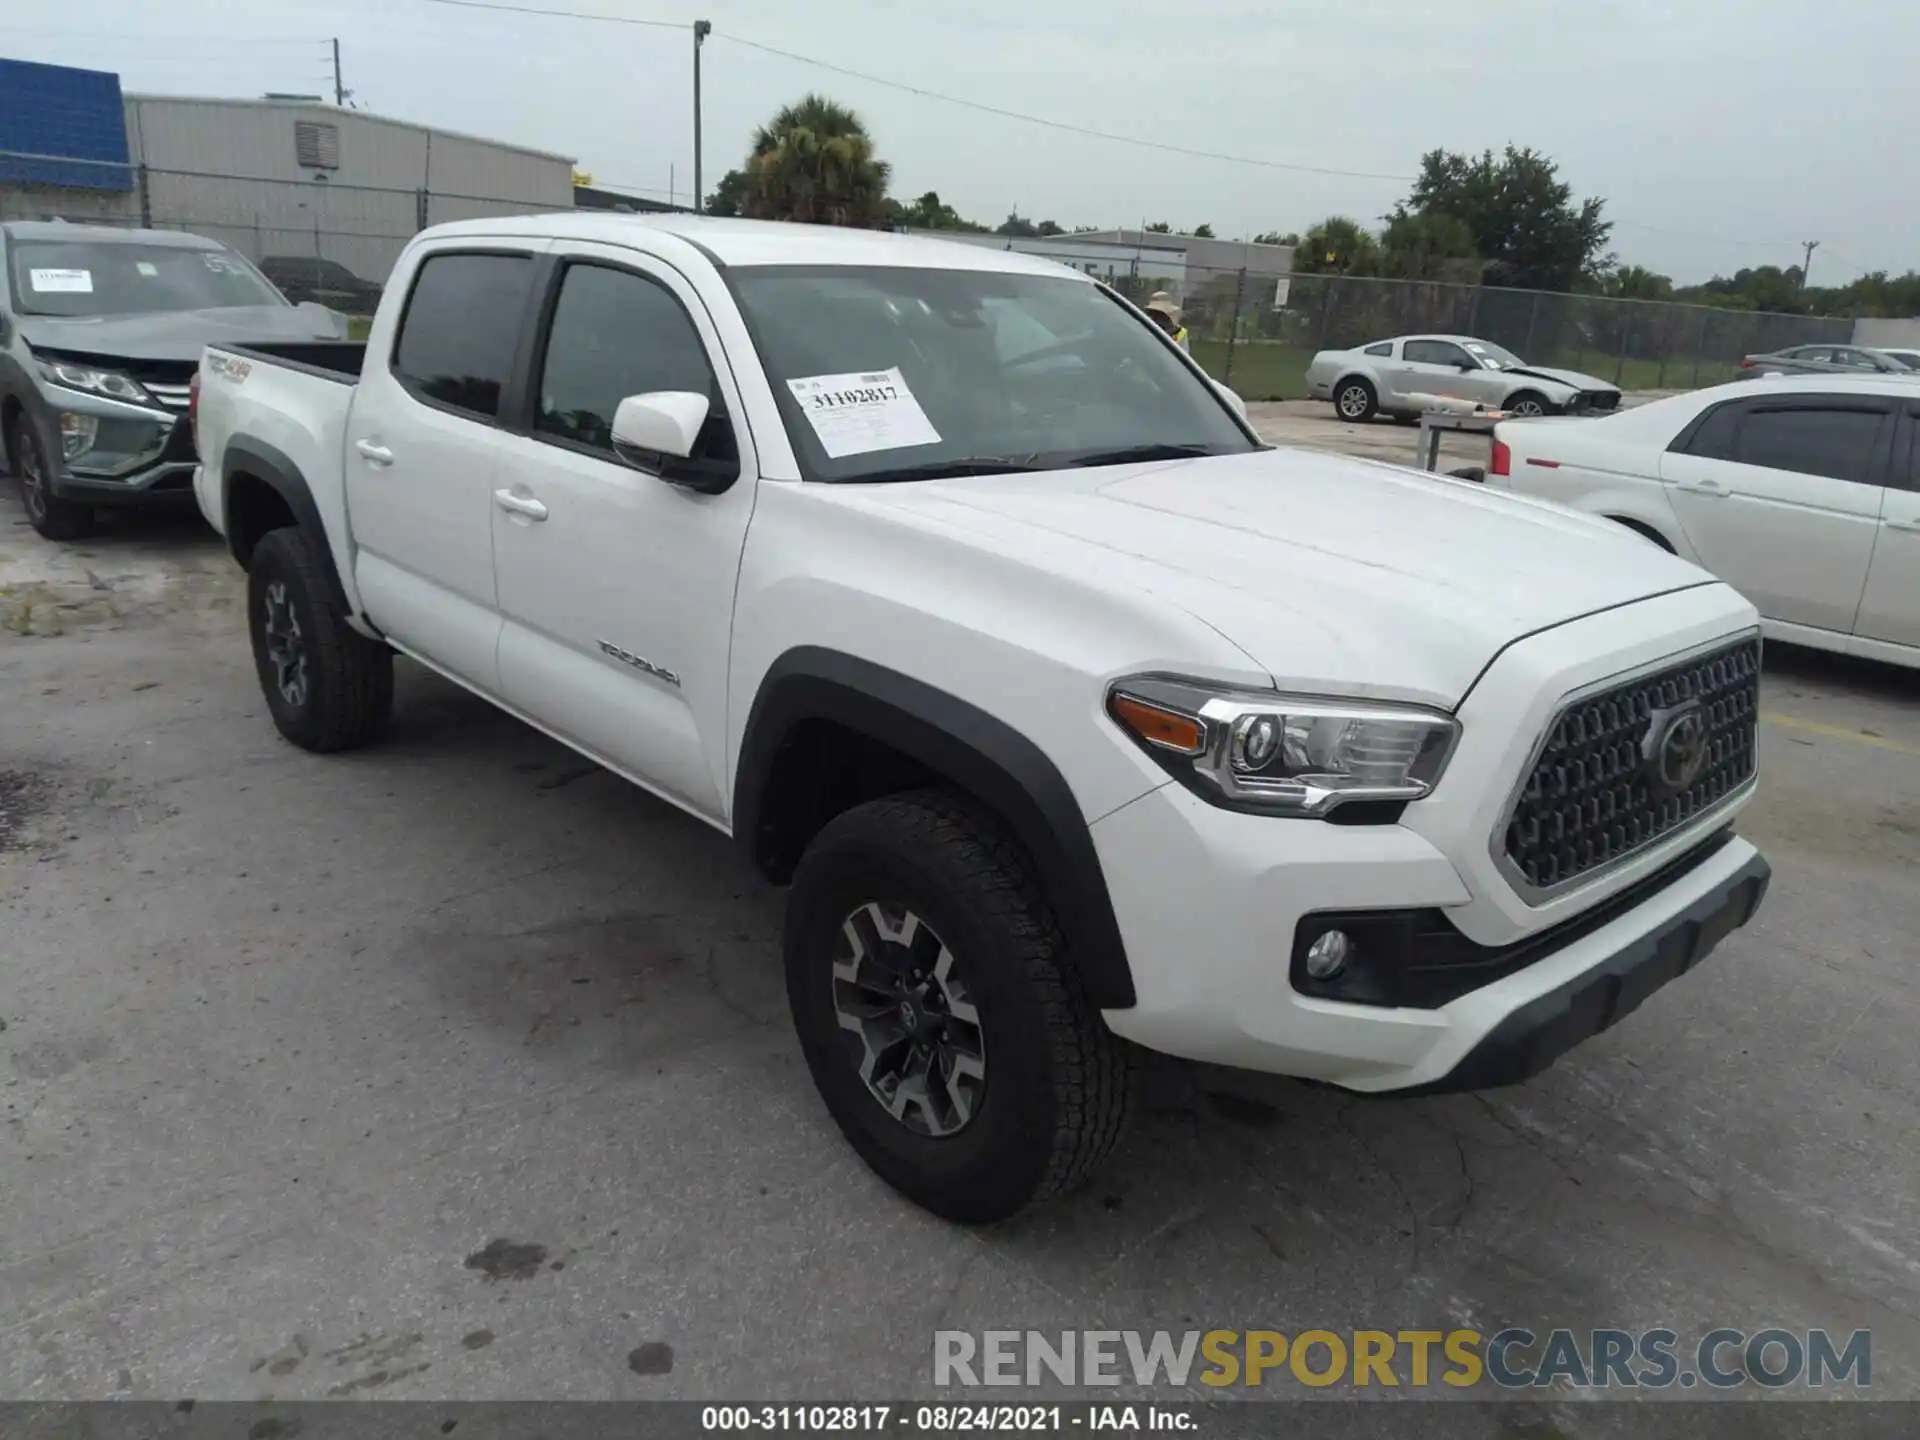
(1166, 313)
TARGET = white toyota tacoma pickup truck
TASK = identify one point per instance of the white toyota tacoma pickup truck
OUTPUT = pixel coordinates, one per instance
(1074, 716)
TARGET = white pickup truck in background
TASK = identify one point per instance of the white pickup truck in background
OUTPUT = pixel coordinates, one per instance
(1073, 714)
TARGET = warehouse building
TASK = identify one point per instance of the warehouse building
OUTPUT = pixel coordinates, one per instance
(279, 179)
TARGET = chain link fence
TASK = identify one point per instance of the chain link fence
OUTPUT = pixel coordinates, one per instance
(1258, 333)
(324, 240)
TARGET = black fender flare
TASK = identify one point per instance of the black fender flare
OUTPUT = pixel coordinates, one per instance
(273, 468)
(978, 752)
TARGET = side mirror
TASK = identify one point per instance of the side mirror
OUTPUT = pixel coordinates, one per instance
(1234, 402)
(657, 432)
(656, 424)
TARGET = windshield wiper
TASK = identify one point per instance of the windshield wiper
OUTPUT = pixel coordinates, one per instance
(947, 470)
(1131, 453)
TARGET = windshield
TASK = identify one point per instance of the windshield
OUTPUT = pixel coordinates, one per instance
(897, 373)
(81, 277)
(1493, 357)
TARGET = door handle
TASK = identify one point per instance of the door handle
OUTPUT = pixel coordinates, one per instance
(373, 454)
(1902, 524)
(1706, 487)
(525, 505)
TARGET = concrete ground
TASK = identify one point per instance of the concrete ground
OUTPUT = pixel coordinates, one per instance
(458, 1068)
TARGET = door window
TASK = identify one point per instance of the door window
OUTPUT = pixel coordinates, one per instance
(1713, 437)
(460, 330)
(615, 334)
(1812, 440)
(1385, 347)
(1436, 352)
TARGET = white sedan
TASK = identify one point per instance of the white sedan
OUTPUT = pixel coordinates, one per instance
(1804, 493)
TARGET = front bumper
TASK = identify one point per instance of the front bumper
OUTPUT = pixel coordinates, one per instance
(142, 455)
(1212, 902)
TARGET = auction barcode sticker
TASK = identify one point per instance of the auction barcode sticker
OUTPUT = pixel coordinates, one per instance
(863, 411)
(55, 282)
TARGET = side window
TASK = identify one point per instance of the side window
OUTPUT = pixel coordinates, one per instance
(461, 326)
(1385, 347)
(1436, 352)
(614, 334)
(1812, 440)
(1712, 438)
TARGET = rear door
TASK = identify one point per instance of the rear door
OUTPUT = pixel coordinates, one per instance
(423, 444)
(1780, 497)
(1890, 608)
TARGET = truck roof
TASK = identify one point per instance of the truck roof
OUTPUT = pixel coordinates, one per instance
(763, 242)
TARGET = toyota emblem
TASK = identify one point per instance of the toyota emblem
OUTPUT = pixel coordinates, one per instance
(1675, 748)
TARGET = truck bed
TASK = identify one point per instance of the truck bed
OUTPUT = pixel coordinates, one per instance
(338, 360)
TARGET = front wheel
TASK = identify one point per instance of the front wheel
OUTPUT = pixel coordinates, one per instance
(941, 1013)
(51, 517)
(1526, 404)
(327, 686)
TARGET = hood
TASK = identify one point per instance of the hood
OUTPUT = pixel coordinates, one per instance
(1572, 378)
(1332, 574)
(177, 334)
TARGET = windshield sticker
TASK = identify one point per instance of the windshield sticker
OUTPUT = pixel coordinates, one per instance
(61, 282)
(218, 263)
(146, 267)
(857, 413)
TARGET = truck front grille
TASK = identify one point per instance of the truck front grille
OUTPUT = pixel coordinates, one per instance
(1631, 764)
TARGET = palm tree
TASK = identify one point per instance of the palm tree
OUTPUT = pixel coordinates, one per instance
(814, 162)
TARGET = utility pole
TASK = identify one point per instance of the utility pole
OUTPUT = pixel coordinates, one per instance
(1807, 264)
(701, 29)
(339, 90)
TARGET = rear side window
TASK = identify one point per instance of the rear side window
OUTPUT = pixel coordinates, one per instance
(1385, 347)
(1712, 438)
(1812, 440)
(614, 334)
(461, 328)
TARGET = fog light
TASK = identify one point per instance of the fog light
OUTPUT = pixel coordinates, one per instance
(1328, 955)
(77, 433)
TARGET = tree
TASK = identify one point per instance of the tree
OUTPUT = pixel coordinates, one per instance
(1428, 247)
(1202, 232)
(1635, 282)
(929, 212)
(729, 197)
(1525, 225)
(1337, 246)
(1159, 227)
(1017, 226)
(1274, 237)
(1048, 227)
(814, 162)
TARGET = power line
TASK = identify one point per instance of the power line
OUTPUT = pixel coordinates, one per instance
(561, 14)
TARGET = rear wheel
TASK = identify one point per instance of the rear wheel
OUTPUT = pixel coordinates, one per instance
(1354, 399)
(941, 1013)
(50, 516)
(327, 686)
(1527, 403)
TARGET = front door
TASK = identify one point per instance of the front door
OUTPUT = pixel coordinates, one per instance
(1781, 499)
(1440, 367)
(422, 444)
(616, 586)
(1890, 608)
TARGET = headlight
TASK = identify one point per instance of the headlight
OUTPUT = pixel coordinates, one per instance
(1285, 754)
(99, 382)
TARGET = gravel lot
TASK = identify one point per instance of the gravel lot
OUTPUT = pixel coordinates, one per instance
(458, 1068)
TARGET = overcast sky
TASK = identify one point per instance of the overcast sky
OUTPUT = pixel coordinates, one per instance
(1720, 132)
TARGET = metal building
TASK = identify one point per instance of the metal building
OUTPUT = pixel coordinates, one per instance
(277, 179)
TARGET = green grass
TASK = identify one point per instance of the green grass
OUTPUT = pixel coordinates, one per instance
(358, 326)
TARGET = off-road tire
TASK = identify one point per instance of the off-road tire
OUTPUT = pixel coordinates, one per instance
(1058, 1083)
(349, 678)
(1355, 400)
(51, 517)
